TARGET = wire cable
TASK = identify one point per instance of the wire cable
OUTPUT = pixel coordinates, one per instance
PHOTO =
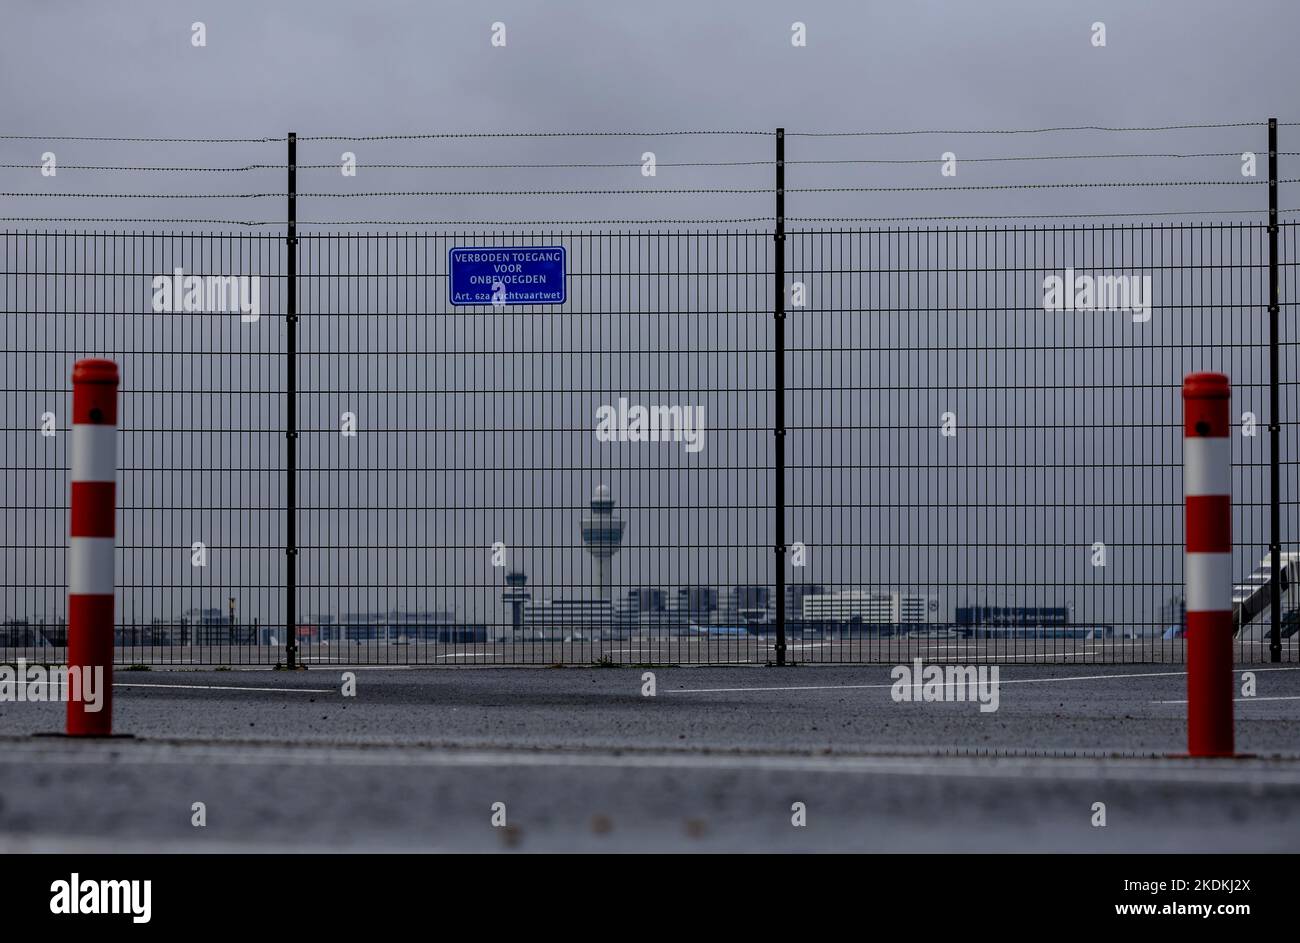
(1039, 186)
(73, 137)
(1050, 130)
(908, 219)
(524, 134)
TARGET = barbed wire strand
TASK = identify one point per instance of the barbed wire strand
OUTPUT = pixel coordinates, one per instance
(630, 222)
(658, 191)
(1048, 130)
(635, 164)
(138, 219)
(73, 137)
(903, 219)
(384, 222)
(448, 135)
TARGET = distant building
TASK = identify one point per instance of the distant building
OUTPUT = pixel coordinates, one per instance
(399, 628)
(794, 597)
(749, 604)
(157, 632)
(698, 604)
(855, 605)
(208, 626)
(566, 619)
(1013, 616)
(646, 600)
(1026, 622)
(645, 610)
(916, 608)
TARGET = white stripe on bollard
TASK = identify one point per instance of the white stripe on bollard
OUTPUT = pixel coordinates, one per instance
(90, 566)
(94, 453)
(1207, 466)
(1209, 582)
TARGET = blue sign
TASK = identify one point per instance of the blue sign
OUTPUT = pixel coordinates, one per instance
(530, 275)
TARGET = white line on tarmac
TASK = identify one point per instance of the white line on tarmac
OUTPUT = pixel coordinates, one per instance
(210, 666)
(1091, 769)
(223, 687)
(1242, 700)
(854, 687)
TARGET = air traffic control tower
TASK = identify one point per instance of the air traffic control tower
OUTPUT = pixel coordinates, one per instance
(515, 596)
(602, 535)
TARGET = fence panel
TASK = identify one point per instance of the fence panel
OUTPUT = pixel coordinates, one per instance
(200, 546)
(1006, 480)
(478, 450)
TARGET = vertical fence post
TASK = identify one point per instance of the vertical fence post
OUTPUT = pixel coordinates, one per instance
(1207, 490)
(778, 431)
(1274, 420)
(291, 414)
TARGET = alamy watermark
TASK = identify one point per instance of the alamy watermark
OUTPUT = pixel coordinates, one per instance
(82, 896)
(921, 682)
(208, 294)
(633, 422)
(42, 683)
(1071, 291)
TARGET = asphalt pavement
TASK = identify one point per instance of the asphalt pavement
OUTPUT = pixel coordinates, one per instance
(718, 759)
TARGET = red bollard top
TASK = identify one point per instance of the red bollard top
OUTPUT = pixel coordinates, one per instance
(1205, 405)
(95, 371)
(94, 392)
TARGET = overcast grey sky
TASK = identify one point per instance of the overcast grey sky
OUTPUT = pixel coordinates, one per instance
(349, 68)
(327, 66)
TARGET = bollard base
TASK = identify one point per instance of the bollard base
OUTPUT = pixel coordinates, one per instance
(1211, 756)
(88, 736)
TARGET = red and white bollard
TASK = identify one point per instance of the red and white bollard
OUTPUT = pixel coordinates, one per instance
(92, 532)
(1207, 488)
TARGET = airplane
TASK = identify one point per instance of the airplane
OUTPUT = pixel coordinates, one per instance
(1253, 596)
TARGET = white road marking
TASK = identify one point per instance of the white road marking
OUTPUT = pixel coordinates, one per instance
(222, 687)
(855, 687)
(1242, 700)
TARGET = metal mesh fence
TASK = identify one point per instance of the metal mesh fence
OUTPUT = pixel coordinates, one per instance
(201, 477)
(967, 473)
(1013, 472)
(874, 442)
(476, 451)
